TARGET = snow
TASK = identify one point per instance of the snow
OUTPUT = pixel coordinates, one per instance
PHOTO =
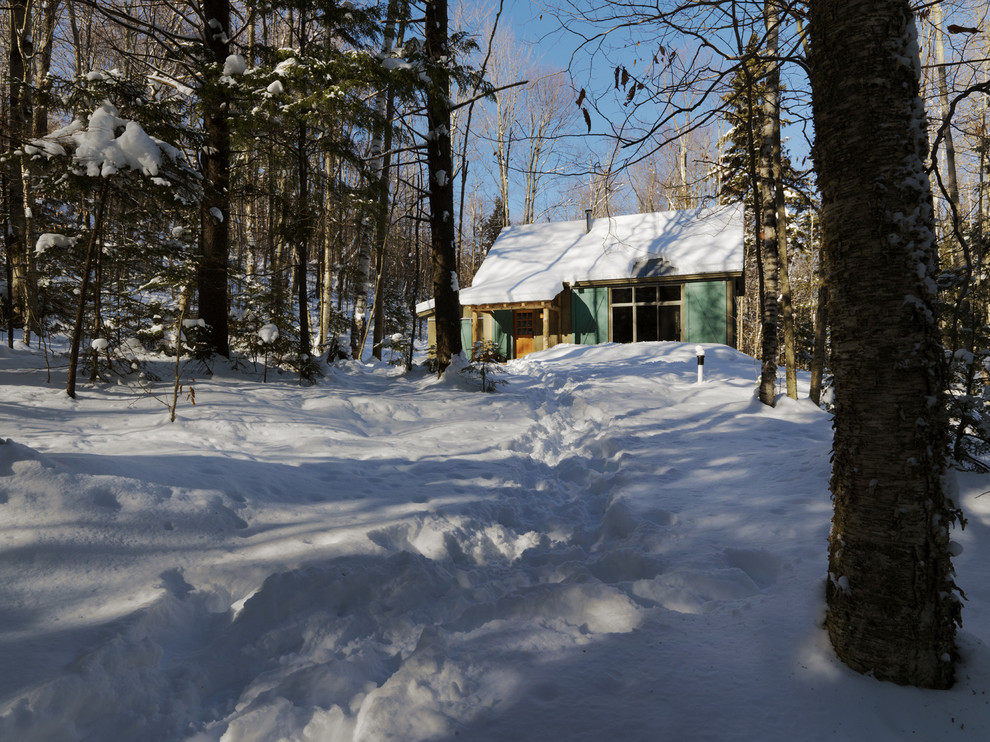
(533, 261)
(107, 143)
(285, 67)
(103, 152)
(396, 63)
(268, 333)
(49, 240)
(276, 88)
(600, 550)
(235, 64)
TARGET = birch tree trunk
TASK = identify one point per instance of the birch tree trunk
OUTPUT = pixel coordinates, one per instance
(302, 239)
(786, 305)
(371, 224)
(892, 603)
(768, 209)
(42, 66)
(16, 238)
(382, 166)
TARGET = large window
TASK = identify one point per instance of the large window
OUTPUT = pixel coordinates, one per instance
(648, 312)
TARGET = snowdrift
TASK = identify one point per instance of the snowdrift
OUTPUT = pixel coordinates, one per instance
(601, 549)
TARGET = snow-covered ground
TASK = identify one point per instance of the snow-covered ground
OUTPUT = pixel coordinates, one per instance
(601, 550)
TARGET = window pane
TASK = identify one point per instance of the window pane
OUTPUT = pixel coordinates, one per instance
(622, 296)
(524, 323)
(670, 323)
(622, 324)
(646, 294)
(670, 293)
(646, 324)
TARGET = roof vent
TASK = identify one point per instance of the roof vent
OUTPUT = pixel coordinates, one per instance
(587, 220)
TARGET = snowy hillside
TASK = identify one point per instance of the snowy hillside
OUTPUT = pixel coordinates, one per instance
(602, 550)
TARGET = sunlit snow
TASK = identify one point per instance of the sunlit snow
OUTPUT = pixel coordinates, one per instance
(532, 262)
(604, 549)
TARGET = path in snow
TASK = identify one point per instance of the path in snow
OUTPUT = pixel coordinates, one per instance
(602, 548)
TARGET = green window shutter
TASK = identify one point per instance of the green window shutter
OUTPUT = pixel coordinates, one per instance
(466, 337)
(582, 316)
(589, 315)
(705, 305)
(601, 314)
(502, 331)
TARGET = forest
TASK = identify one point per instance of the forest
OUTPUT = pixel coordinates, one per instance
(283, 170)
(283, 181)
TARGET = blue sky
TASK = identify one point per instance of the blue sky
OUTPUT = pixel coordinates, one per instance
(531, 23)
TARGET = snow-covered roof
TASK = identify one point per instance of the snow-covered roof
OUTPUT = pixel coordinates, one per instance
(532, 262)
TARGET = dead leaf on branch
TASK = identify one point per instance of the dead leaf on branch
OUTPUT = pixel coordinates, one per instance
(953, 28)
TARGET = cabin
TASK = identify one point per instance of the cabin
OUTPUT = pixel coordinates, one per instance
(673, 275)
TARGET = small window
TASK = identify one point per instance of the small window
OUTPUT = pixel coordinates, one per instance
(670, 293)
(524, 323)
(646, 294)
(622, 296)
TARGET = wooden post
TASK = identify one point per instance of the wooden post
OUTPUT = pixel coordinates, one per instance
(546, 326)
(476, 331)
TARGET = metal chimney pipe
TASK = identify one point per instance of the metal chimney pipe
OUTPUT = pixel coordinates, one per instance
(587, 220)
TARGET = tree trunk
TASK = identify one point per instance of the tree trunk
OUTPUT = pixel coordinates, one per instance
(818, 352)
(892, 603)
(42, 66)
(768, 222)
(303, 233)
(97, 311)
(383, 169)
(786, 305)
(447, 309)
(215, 165)
(77, 328)
(19, 118)
(302, 240)
(951, 181)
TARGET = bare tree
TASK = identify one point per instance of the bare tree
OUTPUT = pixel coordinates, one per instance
(545, 121)
(507, 66)
(680, 177)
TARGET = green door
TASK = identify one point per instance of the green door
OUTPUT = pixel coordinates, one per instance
(705, 305)
(502, 331)
(589, 315)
